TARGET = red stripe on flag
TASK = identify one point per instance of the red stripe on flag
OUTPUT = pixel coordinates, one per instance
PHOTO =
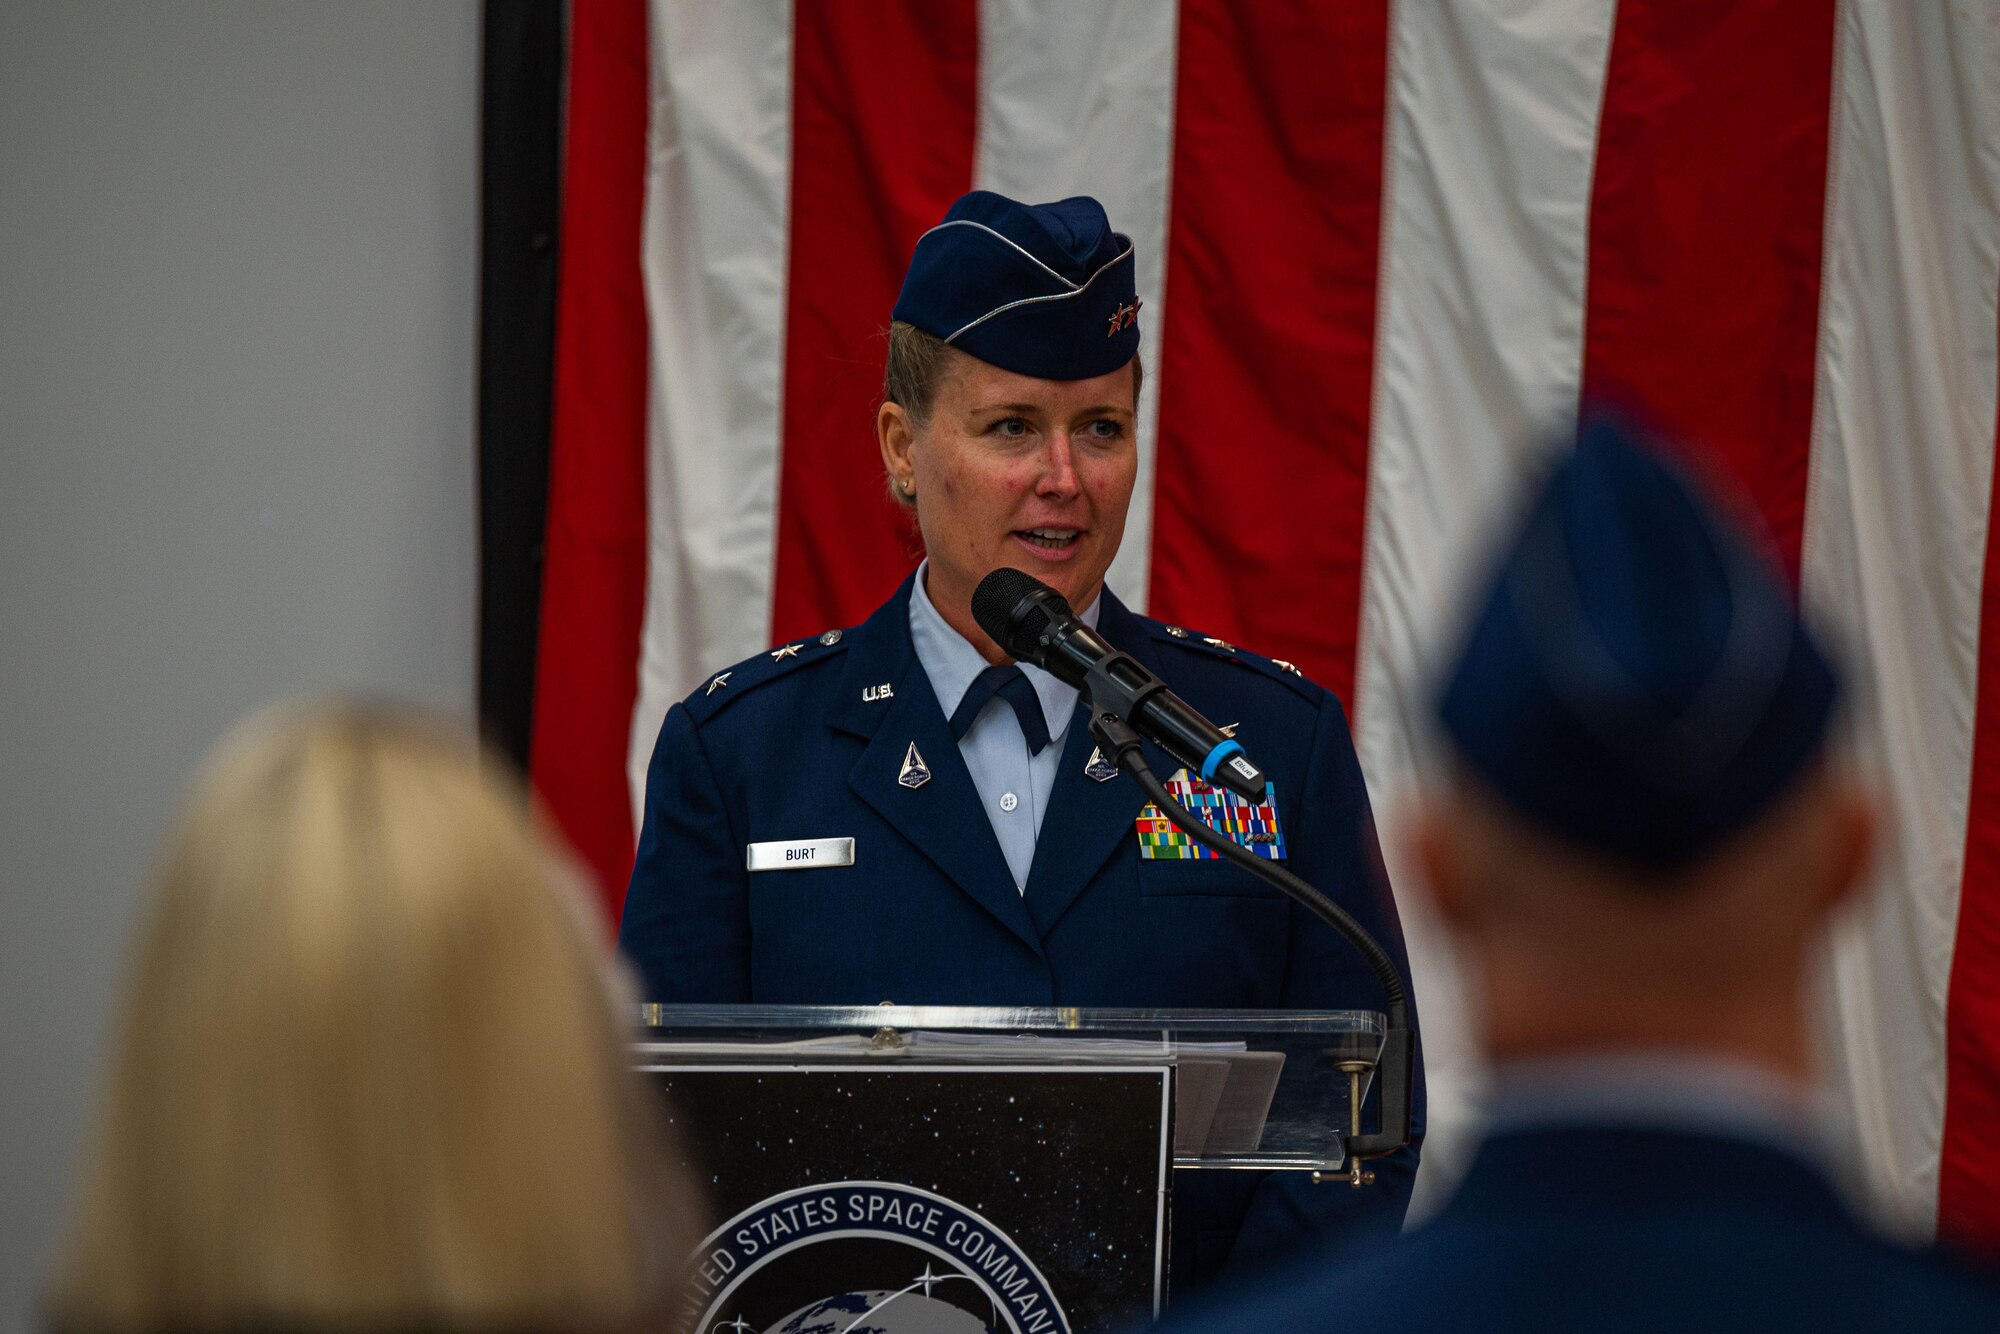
(884, 103)
(1969, 1169)
(1267, 363)
(594, 581)
(1705, 228)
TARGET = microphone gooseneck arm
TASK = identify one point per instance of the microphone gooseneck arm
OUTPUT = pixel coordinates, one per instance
(1393, 1069)
(1034, 623)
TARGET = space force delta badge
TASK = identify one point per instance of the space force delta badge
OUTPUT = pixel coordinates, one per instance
(1253, 825)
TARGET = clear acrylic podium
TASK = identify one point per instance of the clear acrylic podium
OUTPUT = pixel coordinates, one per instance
(1252, 1089)
(946, 1168)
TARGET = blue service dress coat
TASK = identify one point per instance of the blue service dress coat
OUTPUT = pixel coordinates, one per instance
(1593, 1227)
(807, 742)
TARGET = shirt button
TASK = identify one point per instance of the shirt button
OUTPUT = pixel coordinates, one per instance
(1008, 801)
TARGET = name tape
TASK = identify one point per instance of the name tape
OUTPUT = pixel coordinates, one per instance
(800, 856)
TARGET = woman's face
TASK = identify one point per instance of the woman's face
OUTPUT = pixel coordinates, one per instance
(1011, 470)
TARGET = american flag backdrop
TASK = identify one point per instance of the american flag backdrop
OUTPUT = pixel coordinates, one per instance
(1383, 245)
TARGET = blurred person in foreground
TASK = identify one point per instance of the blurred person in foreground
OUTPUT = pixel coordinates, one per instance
(371, 1067)
(1637, 854)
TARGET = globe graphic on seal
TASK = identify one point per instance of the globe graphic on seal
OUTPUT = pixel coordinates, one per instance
(880, 1312)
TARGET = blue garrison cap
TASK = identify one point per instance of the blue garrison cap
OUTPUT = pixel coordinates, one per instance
(1638, 681)
(1046, 290)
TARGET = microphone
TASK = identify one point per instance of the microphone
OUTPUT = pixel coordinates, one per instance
(1034, 623)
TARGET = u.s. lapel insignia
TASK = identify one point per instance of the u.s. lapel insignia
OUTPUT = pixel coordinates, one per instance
(721, 680)
(870, 694)
(1099, 768)
(915, 772)
(830, 638)
(788, 651)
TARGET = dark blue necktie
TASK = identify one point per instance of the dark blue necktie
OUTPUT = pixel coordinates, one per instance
(1011, 684)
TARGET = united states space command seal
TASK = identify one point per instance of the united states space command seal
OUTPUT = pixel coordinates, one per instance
(864, 1257)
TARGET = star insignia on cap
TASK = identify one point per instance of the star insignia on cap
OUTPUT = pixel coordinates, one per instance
(1284, 666)
(788, 651)
(1132, 313)
(721, 680)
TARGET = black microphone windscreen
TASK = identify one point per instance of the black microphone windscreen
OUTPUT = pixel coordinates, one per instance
(997, 607)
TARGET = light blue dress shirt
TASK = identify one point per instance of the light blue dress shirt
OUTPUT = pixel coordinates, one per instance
(1013, 786)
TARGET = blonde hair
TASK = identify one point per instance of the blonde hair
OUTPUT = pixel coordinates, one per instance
(370, 1069)
(914, 369)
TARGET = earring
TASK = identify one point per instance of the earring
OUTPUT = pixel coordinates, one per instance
(909, 487)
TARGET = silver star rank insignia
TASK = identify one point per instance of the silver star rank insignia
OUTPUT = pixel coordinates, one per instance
(1224, 645)
(1229, 730)
(915, 772)
(721, 680)
(1284, 666)
(788, 651)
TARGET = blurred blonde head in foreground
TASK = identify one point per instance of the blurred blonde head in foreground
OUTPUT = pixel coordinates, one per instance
(371, 1069)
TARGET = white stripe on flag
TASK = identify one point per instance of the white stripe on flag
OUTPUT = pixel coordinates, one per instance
(715, 250)
(1491, 141)
(1895, 537)
(1079, 99)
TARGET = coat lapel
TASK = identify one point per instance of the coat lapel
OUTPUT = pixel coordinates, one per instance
(942, 818)
(1086, 820)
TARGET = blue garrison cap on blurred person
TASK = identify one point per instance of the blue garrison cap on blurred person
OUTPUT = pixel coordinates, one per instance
(1046, 290)
(1638, 681)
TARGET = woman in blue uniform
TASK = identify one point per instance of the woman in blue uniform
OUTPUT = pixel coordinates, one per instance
(896, 812)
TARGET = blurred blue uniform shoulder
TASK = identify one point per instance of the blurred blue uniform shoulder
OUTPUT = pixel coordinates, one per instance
(1619, 1227)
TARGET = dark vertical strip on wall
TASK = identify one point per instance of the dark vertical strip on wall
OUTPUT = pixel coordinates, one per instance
(520, 124)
